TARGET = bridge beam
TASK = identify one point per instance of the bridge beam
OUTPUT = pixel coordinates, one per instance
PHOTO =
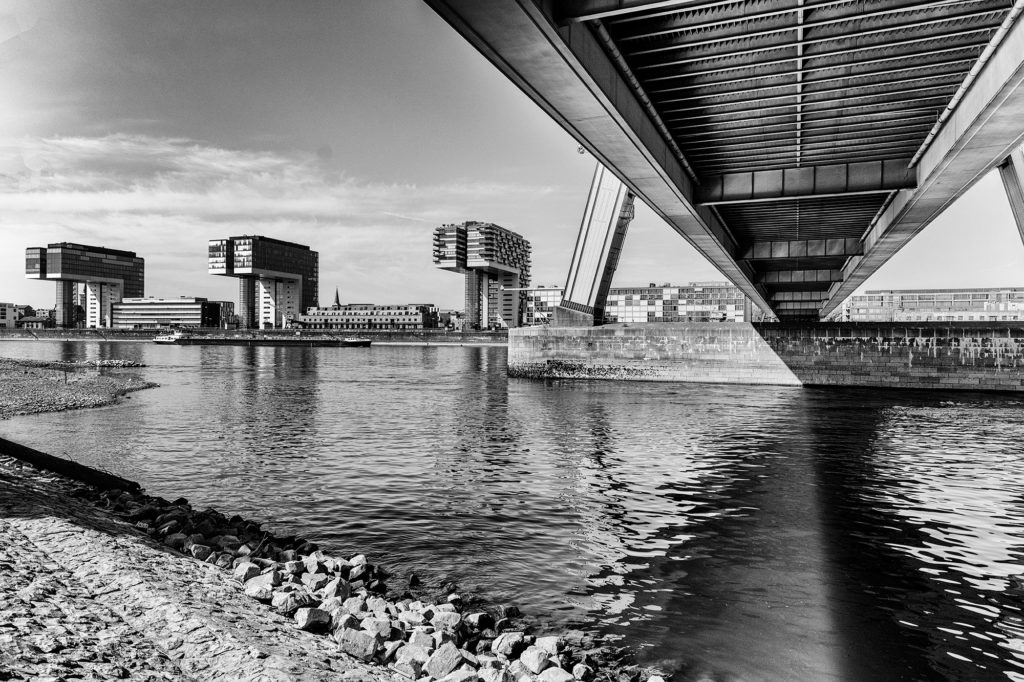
(569, 74)
(596, 256)
(803, 248)
(576, 11)
(1012, 172)
(789, 296)
(840, 179)
(981, 127)
(788, 278)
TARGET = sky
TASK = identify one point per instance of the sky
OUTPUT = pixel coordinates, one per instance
(353, 126)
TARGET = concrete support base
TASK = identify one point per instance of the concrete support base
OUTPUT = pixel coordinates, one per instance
(964, 356)
(566, 317)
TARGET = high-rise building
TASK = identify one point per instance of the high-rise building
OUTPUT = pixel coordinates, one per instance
(277, 280)
(694, 302)
(938, 305)
(108, 275)
(496, 264)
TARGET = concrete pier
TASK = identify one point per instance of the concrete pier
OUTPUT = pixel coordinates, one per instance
(963, 356)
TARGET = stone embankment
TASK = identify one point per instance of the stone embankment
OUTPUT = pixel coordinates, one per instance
(99, 583)
(30, 387)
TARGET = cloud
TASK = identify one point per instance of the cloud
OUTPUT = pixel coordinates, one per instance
(166, 197)
(172, 176)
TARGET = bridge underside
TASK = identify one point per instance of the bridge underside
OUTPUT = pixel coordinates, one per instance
(796, 144)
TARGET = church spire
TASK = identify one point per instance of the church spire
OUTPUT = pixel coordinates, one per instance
(337, 301)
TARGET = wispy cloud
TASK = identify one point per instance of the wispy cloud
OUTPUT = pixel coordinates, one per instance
(163, 196)
(164, 176)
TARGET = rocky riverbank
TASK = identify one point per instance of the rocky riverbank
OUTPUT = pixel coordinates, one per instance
(30, 387)
(113, 582)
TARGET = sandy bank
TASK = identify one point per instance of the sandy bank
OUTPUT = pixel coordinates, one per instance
(30, 387)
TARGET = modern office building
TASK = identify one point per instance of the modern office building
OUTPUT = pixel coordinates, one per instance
(694, 302)
(8, 315)
(351, 316)
(496, 264)
(108, 275)
(277, 280)
(155, 313)
(938, 305)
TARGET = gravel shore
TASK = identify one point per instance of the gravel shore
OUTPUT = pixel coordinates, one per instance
(102, 583)
(30, 387)
(86, 595)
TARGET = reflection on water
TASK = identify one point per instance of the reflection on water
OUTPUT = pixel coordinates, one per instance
(726, 532)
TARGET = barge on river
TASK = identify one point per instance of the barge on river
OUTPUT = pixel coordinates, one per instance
(299, 340)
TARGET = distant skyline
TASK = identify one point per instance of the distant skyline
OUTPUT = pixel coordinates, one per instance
(353, 127)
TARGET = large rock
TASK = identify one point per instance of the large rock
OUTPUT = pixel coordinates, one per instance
(411, 618)
(246, 571)
(376, 604)
(337, 588)
(260, 592)
(290, 602)
(358, 643)
(312, 619)
(443, 661)
(200, 552)
(315, 581)
(446, 622)
(509, 644)
(269, 579)
(341, 620)
(422, 639)
(555, 675)
(378, 626)
(410, 661)
(552, 644)
(479, 621)
(535, 659)
(353, 605)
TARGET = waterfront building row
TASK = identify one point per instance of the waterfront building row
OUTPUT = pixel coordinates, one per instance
(366, 316)
(693, 302)
(937, 305)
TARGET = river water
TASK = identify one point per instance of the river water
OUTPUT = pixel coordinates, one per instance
(724, 532)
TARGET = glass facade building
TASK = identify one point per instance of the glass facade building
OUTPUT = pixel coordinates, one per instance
(496, 265)
(108, 276)
(278, 280)
(938, 305)
(694, 302)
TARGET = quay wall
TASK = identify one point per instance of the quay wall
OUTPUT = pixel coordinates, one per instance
(420, 337)
(960, 356)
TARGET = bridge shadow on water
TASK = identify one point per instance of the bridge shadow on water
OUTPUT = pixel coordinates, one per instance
(829, 537)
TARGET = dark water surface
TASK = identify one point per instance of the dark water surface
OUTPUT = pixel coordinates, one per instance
(734, 532)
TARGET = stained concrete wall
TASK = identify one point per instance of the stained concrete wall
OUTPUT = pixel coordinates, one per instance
(967, 356)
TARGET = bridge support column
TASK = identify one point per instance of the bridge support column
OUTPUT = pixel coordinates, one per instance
(1012, 172)
(602, 233)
